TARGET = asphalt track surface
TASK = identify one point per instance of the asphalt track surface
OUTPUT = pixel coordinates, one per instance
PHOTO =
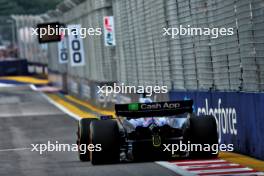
(27, 118)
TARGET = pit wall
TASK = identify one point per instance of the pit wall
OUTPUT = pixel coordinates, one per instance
(239, 116)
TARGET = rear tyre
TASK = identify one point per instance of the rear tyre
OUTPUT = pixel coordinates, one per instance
(203, 130)
(83, 134)
(106, 134)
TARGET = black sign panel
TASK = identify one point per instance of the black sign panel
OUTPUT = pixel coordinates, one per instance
(49, 32)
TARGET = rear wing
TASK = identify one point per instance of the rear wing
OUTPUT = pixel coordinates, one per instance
(157, 109)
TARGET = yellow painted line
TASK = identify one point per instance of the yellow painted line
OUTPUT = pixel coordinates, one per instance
(70, 107)
(25, 79)
(89, 106)
(243, 160)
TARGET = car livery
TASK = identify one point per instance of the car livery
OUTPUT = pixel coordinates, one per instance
(123, 141)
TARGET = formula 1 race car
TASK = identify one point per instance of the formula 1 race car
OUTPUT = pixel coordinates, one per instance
(141, 130)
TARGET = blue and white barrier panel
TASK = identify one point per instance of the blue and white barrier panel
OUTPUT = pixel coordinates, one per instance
(239, 116)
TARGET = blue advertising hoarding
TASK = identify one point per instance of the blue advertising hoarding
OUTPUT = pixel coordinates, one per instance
(239, 117)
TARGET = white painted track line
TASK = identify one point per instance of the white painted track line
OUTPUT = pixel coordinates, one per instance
(62, 108)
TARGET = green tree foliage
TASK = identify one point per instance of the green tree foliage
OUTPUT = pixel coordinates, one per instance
(8, 7)
(21, 7)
